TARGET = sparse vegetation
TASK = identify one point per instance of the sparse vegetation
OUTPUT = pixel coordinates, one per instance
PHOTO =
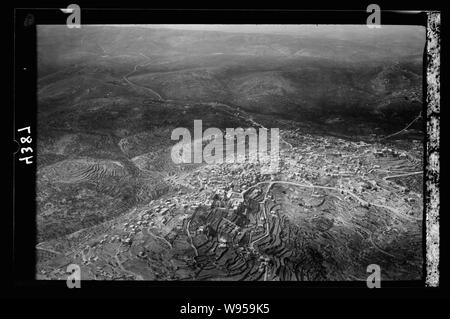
(110, 199)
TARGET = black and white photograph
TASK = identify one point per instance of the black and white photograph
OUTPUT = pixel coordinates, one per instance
(219, 152)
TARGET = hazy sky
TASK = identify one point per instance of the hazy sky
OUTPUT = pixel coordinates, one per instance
(274, 28)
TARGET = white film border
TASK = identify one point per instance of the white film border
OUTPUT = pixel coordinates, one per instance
(432, 169)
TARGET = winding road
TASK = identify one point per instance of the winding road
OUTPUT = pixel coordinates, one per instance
(362, 201)
(126, 79)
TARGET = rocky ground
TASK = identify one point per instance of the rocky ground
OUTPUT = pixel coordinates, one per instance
(348, 192)
(334, 207)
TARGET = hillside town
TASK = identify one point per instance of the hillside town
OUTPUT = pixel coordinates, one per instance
(234, 222)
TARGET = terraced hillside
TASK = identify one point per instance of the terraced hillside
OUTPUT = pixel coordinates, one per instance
(231, 222)
(110, 198)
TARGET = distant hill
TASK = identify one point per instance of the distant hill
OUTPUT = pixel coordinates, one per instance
(313, 73)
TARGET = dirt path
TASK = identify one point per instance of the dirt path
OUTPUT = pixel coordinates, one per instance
(403, 175)
(362, 201)
(138, 277)
(147, 230)
(125, 78)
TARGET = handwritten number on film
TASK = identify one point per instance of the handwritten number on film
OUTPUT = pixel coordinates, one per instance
(26, 149)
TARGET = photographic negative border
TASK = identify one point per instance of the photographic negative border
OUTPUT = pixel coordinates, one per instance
(97, 16)
(432, 169)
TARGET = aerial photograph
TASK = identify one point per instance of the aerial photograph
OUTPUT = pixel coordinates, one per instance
(230, 152)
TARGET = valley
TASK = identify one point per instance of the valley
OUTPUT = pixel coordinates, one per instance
(111, 200)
